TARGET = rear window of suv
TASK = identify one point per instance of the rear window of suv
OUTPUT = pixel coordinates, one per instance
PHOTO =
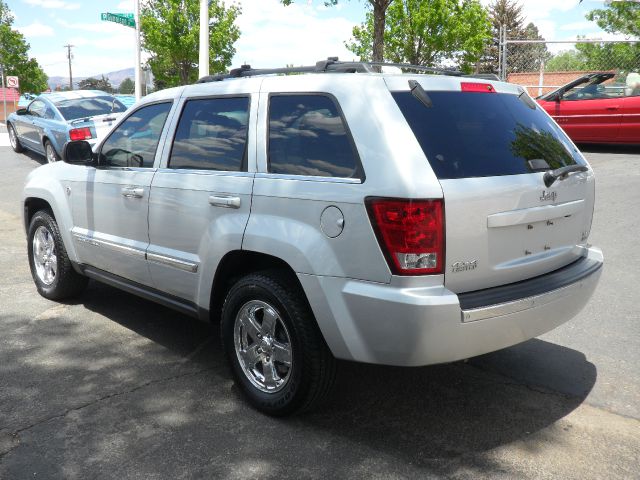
(471, 134)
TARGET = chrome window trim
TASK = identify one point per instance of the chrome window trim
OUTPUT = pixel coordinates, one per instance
(309, 178)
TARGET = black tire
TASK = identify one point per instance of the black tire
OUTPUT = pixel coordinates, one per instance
(66, 282)
(13, 137)
(312, 369)
(50, 153)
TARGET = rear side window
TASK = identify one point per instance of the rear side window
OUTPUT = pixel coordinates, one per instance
(212, 135)
(470, 134)
(308, 136)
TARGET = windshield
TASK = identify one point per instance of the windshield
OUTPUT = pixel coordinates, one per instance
(89, 107)
(470, 134)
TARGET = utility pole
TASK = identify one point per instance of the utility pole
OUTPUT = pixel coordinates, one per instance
(69, 56)
(137, 76)
(4, 94)
(203, 66)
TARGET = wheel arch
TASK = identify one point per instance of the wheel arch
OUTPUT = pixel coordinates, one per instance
(238, 263)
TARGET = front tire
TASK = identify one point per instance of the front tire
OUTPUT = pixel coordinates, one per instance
(277, 354)
(13, 139)
(51, 268)
(50, 152)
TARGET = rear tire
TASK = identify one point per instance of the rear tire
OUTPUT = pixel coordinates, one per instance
(13, 139)
(51, 268)
(277, 354)
(50, 152)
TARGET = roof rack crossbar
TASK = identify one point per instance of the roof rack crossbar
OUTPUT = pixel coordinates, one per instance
(331, 64)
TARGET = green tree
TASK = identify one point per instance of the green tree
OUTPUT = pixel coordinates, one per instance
(616, 17)
(127, 86)
(566, 61)
(378, 19)
(14, 55)
(435, 33)
(96, 84)
(170, 33)
(507, 13)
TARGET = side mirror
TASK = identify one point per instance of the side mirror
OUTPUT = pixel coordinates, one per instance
(21, 111)
(78, 152)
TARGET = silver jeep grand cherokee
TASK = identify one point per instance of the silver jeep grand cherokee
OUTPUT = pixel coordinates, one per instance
(399, 219)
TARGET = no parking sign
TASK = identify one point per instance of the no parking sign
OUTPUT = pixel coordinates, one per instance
(13, 82)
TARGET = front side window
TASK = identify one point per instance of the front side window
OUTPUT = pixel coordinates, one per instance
(134, 142)
(37, 108)
(308, 136)
(212, 135)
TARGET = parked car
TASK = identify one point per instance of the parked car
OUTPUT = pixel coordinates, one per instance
(402, 219)
(53, 119)
(592, 109)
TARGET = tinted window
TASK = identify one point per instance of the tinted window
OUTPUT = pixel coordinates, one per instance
(133, 143)
(49, 114)
(308, 136)
(469, 134)
(211, 135)
(89, 107)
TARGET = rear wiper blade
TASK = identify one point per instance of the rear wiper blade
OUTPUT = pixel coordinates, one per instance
(418, 92)
(561, 173)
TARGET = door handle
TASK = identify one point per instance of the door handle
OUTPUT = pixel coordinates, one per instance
(132, 192)
(224, 201)
(614, 107)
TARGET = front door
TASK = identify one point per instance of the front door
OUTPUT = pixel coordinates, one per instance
(110, 205)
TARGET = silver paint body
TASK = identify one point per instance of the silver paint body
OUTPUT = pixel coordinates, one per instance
(169, 229)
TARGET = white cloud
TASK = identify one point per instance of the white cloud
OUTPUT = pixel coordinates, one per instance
(57, 4)
(274, 35)
(581, 26)
(36, 29)
(125, 6)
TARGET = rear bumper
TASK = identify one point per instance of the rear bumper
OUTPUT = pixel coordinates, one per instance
(385, 324)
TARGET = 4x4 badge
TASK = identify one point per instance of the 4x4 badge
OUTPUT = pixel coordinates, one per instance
(546, 196)
(464, 266)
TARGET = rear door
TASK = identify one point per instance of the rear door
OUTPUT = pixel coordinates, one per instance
(201, 197)
(487, 148)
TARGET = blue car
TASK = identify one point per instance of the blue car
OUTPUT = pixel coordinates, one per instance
(53, 119)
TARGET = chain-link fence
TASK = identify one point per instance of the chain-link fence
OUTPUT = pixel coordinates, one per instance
(543, 66)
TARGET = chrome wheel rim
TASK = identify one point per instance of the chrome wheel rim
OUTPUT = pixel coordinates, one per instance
(51, 153)
(12, 137)
(263, 346)
(45, 259)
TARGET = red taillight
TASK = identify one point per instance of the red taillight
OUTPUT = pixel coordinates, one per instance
(410, 233)
(477, 87)
(83, 133)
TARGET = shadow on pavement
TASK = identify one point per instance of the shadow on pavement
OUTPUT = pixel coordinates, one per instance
(439, 420)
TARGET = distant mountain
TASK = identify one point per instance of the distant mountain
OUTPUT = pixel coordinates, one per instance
(115, 78)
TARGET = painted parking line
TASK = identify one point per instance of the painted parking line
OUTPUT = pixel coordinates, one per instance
(4, 140)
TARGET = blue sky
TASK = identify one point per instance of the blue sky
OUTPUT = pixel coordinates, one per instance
(272, 35)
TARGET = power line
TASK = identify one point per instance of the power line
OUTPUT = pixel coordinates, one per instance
(70, 56)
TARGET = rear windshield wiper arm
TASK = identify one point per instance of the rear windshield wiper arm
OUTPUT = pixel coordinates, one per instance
(561, 173)
(419, 92)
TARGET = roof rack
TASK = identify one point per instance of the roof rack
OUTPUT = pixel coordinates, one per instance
(333, 65)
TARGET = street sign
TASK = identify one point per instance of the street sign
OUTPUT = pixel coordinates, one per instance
(13, 82)
(126, 19)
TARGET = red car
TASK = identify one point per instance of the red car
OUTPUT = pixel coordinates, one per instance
(593, 110)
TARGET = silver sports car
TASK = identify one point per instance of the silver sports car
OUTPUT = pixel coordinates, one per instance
(53, 119)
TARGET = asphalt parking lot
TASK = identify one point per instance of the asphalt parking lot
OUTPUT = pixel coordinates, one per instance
(112, 386)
